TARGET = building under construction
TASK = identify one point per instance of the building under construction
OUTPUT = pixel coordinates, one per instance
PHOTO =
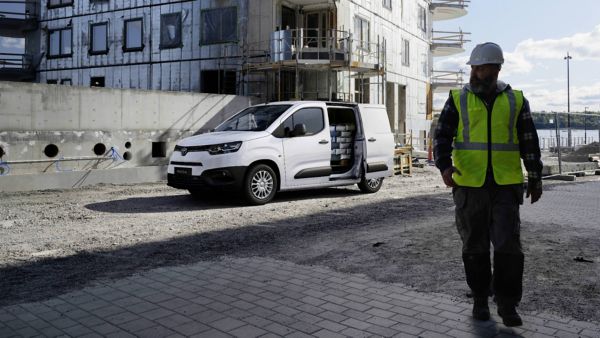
(370, 51)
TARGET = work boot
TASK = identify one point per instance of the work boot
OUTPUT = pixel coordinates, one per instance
(509, 315)
(481, 311)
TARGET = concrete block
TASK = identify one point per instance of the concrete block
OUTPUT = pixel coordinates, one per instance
(560, 177)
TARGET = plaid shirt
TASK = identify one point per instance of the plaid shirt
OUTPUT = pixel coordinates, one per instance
(529, 147)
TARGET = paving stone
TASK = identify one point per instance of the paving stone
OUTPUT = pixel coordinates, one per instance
(281, 330)
(227, 324)
(247, 331)
(105, 328)
(253, 297)
(137, 325)
(327, 334)
(77, 330)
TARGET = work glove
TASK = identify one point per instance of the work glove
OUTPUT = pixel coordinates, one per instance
(534, 189)
(447, 176)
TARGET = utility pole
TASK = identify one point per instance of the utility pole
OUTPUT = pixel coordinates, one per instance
(585, 125)
(568, 57)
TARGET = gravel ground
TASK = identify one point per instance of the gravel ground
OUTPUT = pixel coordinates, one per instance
(56, 241)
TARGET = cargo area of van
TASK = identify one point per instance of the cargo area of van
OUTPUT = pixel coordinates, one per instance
(342, 128)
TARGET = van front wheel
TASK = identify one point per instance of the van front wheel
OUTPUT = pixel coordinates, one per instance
(370, 185)
(260, 185)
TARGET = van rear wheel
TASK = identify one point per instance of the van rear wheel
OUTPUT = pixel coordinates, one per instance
(260, 184)
(370, 185)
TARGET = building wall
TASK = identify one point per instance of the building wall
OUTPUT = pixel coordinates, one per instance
(175, 69)
(395, 25)
(76, 119)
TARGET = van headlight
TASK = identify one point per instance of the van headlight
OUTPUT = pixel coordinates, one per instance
(224, 148)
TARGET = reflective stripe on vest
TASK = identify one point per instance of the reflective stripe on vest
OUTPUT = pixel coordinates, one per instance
(470, 153)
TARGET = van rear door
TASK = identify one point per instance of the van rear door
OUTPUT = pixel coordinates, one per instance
(379, 139)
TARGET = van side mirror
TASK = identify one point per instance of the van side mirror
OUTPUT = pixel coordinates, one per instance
(299, 130)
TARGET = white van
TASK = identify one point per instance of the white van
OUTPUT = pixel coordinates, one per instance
(287, 146)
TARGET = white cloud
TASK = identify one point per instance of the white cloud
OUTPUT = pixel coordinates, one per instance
(452, 63)
(556, 99)
(515, 63)
(583, 46)
(12, 43)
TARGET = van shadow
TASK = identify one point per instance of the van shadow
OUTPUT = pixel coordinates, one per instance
(45, 278)
(213, 200)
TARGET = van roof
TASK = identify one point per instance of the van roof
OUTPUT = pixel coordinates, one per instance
(328, 103)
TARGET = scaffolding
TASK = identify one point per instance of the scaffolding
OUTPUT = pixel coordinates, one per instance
(281, 67)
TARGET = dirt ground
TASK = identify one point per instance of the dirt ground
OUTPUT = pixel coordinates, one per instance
(52, 242)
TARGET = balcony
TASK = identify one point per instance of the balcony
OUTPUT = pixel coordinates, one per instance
(443, 81)
(448, 9)
(16, 18)
(448, 43)
(16, 67)
(314, 49)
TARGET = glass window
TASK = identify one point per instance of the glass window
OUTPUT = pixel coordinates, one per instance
(59, 42)
(361, 32)
(99, 38)
(66, 82)
(219, 25)
(54, 43)
(65, 42)
(59, 3)
(387, 4)
(52, 81)
(422, 18)
(133, 35)
(405, 52)
(312, 118)
(256, 118)
(170, 30)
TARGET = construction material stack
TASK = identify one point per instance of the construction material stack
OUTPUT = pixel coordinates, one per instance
(342, 140)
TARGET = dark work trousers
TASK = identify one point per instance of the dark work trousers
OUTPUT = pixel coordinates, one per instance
(491, 214)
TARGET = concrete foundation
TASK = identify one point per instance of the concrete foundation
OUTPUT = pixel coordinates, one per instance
(568, 167)
(81, 178)
(51, 132)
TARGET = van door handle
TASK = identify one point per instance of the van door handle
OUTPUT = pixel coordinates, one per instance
(323, 142)
(372, 139)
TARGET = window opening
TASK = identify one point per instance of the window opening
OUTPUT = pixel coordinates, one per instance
(97, 81)
(99, 38)
(219, 25)
(170, 31)
(133, 35)
(59, 43)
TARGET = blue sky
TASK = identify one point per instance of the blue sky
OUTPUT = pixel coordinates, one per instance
(535, 36)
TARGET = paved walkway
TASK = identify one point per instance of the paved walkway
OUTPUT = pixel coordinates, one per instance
(261, 297)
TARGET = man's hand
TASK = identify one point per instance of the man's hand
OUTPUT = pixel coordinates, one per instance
(534, 188)
(447, 176)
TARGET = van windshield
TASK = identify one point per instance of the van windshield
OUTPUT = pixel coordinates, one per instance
(256, 118)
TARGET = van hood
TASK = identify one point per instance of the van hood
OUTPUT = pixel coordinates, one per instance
(221, 137)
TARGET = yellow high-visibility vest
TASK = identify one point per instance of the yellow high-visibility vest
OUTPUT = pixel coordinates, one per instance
(470, 154)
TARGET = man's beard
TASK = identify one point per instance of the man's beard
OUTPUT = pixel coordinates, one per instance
(482, 86)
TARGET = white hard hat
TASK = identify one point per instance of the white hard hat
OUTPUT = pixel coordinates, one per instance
(486, 53)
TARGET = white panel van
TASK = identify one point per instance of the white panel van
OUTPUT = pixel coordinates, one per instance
(283, 146)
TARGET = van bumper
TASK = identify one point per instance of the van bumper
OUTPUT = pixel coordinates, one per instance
(228, 178)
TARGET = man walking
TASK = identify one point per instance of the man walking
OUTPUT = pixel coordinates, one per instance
(483, 132)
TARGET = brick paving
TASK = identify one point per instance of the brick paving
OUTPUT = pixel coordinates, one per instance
(263, 297)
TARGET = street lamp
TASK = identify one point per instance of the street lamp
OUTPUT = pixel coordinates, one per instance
(585, 125)
(568, 57)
